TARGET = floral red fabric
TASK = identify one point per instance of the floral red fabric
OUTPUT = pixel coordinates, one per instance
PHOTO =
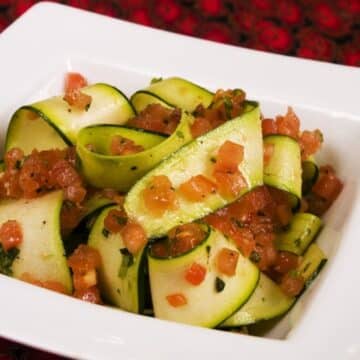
(327, 30)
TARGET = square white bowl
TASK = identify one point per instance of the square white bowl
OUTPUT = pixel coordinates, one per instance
(49, 40)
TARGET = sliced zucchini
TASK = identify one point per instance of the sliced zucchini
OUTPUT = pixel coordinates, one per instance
(207, 304)
(267, 301)
(283, 170)
(174, 92)
(303, 228)
(121, 275)
(121, 172)
(41, 252)
(310, 173)
(52, 123)
(142, 98)
(194, 159)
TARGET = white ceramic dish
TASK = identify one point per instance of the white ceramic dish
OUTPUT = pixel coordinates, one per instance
(49, 40)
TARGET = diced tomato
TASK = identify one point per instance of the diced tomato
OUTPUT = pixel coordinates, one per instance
(269, 127)
(176, 300)
(78, 99)
(292, 284)
(115, 220)
(226, 261)
(84, 259)
(289, 124)
(159, 196)
(328, 186)
(285, 262)
(160, 249)
(200, 126)
(229, 156)
(229, 184)
(197, 188)
(310, 142)
(184, 238)
(195, 275)
(244, 240)
(158, 118)
(91, 295)
(268, 153)
(284, 214)
(122, 146)
(74, 81)
(11, 235)
(84, 281)
(113, 195)
(70, 217)
(134, 237)
(75, 193)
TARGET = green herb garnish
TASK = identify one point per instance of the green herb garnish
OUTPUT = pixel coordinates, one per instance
(219, 285)
(6, 260)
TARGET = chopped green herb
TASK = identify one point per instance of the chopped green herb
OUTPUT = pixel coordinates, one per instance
(118, 291)
(228, 106)
(208, 249)
(238, 223)
(155, 80)
(306, 267)
(127, 261)
(219, 285)
(133, 168)
(180, 134)
(18, 164)
(87, 107)
(121, 220)
(213, 159)
(255, 257)
(105, 232)
(297, 242)
(6, 260)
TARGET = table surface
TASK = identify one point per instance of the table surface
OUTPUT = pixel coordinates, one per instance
(326, 30)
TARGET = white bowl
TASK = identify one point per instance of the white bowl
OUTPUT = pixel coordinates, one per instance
(49, 40)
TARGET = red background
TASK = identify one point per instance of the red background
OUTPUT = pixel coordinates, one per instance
(326, 30)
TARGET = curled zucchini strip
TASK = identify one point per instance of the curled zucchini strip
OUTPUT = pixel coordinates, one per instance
(173, 92)
(310, 173)
(197, 158)
(269, 301)
(206, 304)
(121, 172)
(41, 252)
(283, 170)
(52, 123)
(121, 275)
(303, 229)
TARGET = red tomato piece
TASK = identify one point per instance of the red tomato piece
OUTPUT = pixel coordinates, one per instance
(269, 127)
(310, 142)
(292, 284)
(159, 196)
(11, 235)
(195, 275)
(229, 184)
(134, 237)
(115, 220)
(122, 146)
(200, 126)
(226, 261)
(176, 300)
(328, 186)
(285, 262)
(197, 188)
(84, 259)
(229, 156)
(289, 124)
(74, 81)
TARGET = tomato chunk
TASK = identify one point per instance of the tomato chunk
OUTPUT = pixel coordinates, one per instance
(11, 235)
(229, 156)
(310, 142)
(74, 81)
(195, 275)
(159, 196)
(115, 220)
(292, 284)
(84, 259)
(197, 188)
(269, 127)
(122, 146)
(78, 99)
(328, 186)
(200, 126)
(229, 184)
(285, 262)
(176, 300)
(134, 237)
(226, 261)
(289, 124)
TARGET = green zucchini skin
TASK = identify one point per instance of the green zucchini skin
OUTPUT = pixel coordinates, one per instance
(303, 228)
(194, 159)
(54, 124)
(174, 92)
(283, 171)
(121, 172)
(267, 301)
(205, 305)
(310, 173)
(42, 254)
(125, 290)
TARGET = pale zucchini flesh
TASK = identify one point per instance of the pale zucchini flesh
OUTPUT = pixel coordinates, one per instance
(196, 158)
(122, 288)
(205, 305)
(41, 254)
